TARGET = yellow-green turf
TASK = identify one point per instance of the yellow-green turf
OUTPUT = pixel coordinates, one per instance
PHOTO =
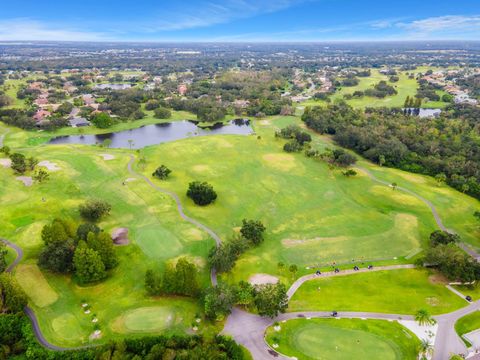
(466, 324)
(325, 339)
(313, 215)
(401, 292)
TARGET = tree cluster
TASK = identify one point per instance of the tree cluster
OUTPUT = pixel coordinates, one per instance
(201, 193)
(178, 279)
(85, 250)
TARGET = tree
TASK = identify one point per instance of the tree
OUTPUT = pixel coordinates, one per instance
(84, 229)
(218, 301)
(41, 175)
(60, 230)
(271, 299)
(130, 143)
(393, 185)
(293, 269)
(252, 230)
(201, 193)
(423, 318)
(12, 297)
(88, 264)
(153, 283)
(94, 209)
(223, 257)
(245, 293)
(57, 256)
(103, 245)
(162, 113)
(477, 215)
(3, 257)
(349, 173)
(426, 348)
(162, 172)
(102, 120)
(443, 237)
(441, 178)
(280, 266)
(19, 164)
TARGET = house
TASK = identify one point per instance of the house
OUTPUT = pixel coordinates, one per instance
(41, 115)
(182, 89)
(88, 99)
(464, 99)
(78, 122)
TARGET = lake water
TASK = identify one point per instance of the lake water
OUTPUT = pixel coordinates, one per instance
(156, 134)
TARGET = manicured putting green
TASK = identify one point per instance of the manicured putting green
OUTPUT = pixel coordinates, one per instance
(326, 339)
(149, 319)
(69, 326)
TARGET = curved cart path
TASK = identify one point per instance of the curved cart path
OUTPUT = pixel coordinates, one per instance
(180, 209)
(465, 247)
(28, 311)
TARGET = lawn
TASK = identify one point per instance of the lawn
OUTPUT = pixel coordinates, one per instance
(314, 215)
(56, 299)
(467, 324)
(405, 87)
(325, 339)
(396, 291)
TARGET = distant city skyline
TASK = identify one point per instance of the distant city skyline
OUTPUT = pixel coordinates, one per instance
(240, 20)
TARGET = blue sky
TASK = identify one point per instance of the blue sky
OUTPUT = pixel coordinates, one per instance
(239, 20)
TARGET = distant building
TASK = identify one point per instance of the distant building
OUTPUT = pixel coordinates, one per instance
(182, 89)
(41, 115)
(79, 122)
(465, 99)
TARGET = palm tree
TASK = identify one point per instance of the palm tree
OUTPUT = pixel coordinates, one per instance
(426, 348)
(131, 143)
(424, 318)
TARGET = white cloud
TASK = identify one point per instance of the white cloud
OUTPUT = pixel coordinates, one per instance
(27, 29)
(214, 13)
(444, 23)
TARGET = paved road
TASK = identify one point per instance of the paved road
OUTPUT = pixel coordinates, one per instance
(218, 241)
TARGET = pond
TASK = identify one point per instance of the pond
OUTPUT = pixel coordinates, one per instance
(158, 133)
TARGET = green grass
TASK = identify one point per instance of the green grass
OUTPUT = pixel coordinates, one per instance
(396, 291)
(472, 290)
(313, 216)
(405, 87)
(467, 324)
(326, 339)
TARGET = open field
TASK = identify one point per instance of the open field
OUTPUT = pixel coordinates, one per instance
(344, 339)
(467, 324)
(313, 216)
(396, 292)
(405, 87)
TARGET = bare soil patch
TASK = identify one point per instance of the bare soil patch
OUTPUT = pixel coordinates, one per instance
(120, 236)
(27, 180)
(107, 157)
(260, 279)
(49, 165)
(6, 163)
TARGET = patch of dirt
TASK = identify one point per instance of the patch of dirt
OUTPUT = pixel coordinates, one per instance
(284, 162)
(260, 279)
(130, 179)
(201, 168)
(120, 236)
(438, 279)
(107, 157)
(27, 180)
(432, 301)
(264, 122)
(297, 242)
(6, 163)
(49, 165)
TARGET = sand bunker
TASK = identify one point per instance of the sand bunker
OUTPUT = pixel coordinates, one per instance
(120, 236)
(49, 165)
(259, 279)
(107, 157)
(27, 180)
(6, 163)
